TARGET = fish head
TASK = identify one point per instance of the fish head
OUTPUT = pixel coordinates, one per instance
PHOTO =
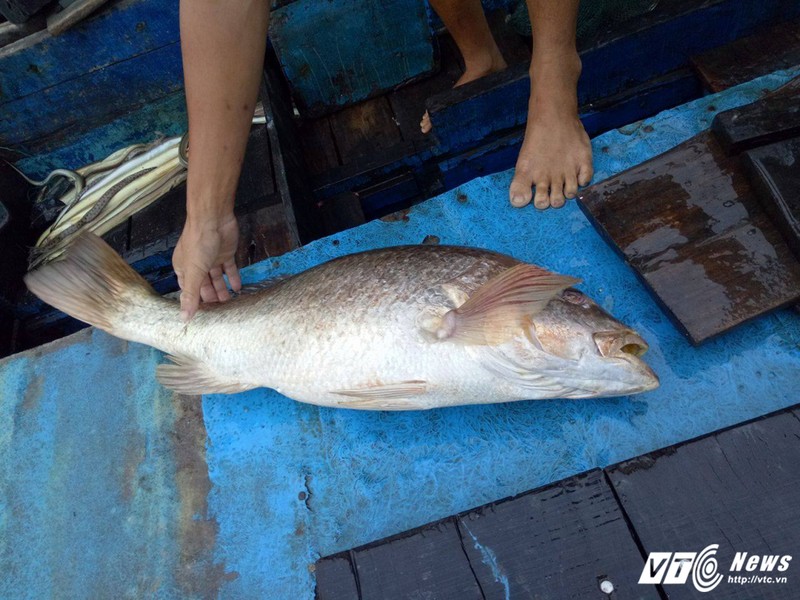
(600, 355)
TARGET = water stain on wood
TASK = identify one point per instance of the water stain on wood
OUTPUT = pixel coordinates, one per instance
(690, 225)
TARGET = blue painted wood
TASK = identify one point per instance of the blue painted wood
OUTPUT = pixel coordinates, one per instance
(91, 99)
(337, 53)
(73, 149)
(466, 115)
(120, 31)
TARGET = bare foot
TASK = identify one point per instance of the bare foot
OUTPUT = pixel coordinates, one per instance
(478, 67)
(556, 156)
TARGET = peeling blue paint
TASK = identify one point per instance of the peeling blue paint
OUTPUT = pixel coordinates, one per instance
(489, 558)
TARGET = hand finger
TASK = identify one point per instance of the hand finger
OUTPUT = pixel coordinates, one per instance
(207, 291)
(232, 271)
(191, 279)
(219, 284)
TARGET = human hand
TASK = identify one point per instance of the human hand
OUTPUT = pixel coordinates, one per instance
(205, 251)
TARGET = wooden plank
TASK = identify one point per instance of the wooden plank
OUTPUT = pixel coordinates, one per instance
(557, 543)
(426, 563)
(319, 148)
(736, 488)
(335, 578)
(92, 98)
(690, 226)
(769, 120)
(11, 32)
(408, 102)
(59, 22)
(135, 26)
(364, 130)
(775, 177)
(336, 53)
(773, 48)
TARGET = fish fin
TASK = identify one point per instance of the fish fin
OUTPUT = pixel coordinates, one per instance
(91, 283)
(493, 312)
(189, 376)
(392, 396)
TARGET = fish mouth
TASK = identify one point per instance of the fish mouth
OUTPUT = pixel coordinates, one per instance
(616, 344)
(629, 347)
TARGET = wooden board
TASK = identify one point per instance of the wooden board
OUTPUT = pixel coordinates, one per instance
(736, 488)
(745, 59)
(775, 175)
(426, 563)
(364, 130)
(336, 53)
(336, 579)
(690, 226)
(771, 119)
(557, 543)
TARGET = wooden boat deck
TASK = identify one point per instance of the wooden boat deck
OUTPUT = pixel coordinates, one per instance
(736, 488)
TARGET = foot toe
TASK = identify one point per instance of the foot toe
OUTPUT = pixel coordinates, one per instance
(557, 194)
(585, 173)
(520, 193)
(571, 186)
(425, 124)
(541, 198)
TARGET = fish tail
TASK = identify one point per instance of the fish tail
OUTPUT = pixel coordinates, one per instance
(92, 283)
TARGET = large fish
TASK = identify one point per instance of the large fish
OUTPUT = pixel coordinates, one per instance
(410, 327)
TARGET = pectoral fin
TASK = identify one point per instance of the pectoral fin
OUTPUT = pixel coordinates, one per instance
(493, 313)
(393, 396)
(188, 376)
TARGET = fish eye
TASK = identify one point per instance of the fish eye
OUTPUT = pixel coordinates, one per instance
(574, 297)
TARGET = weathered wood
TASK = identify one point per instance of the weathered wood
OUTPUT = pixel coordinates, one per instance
(426, 563)
(769, 120)
(408, 102)
(775, 175)
(11, 32)
(136, 27)
(736, 488)
(770, 49)
(690, 226)
(337, 53)
(559, 543)
(19, 11)
(59, 22)
(319, 149)
(364, 130)
(336, 579)
(91, 99)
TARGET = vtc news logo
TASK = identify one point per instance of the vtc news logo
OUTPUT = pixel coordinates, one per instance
(677, 567)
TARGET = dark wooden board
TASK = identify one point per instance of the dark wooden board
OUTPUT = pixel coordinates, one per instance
(737, 488)
(745, 59)
(335, 578)
(319, 149)
(775, 175)
(771, 119)
(557, 543)
(363, 130)
(427, 563)
(689, 224)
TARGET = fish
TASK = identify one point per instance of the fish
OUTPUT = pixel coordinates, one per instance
(398, 328)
